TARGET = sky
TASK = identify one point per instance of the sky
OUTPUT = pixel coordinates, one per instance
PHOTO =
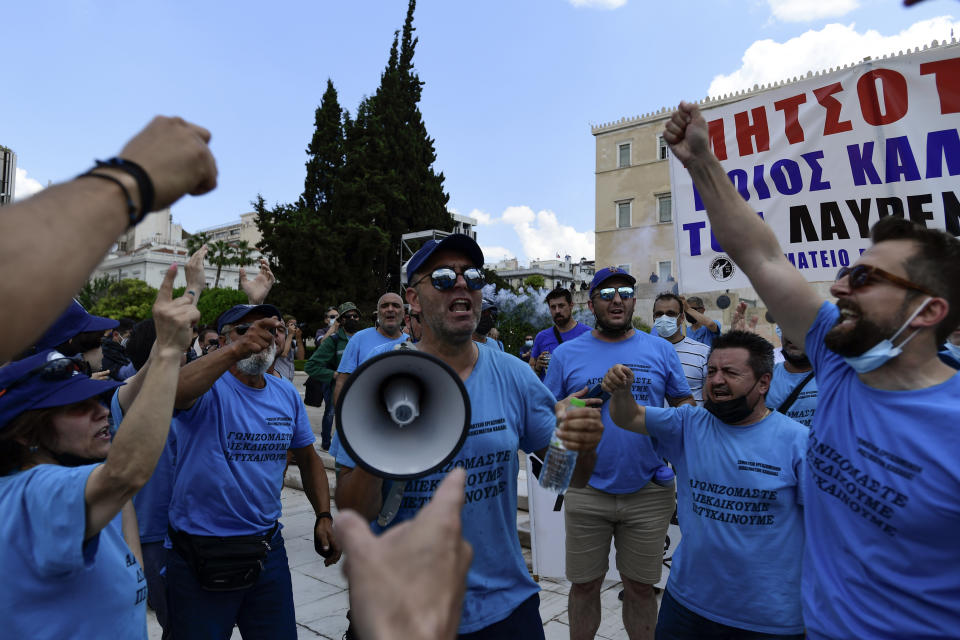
(512, 87)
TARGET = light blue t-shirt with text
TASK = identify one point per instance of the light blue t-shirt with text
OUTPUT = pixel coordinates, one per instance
(739, 504)
(360, 345)
(782, 385)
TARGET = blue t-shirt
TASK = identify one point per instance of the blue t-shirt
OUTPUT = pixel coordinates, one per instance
(783, 384)
(739, 504)
(882, 509)
(231, 453)
(704, 335)
(546, 340)
(56, 584)
(491, 344)
(152, 502)
(360, 345)
(625, 460)
(509, 410)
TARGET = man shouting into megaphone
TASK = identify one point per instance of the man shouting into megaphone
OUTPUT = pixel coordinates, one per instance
(510, 410)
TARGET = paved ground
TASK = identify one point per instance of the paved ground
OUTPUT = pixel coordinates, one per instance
(320, 593)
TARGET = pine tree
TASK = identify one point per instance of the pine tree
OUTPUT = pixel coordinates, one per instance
(324, 155)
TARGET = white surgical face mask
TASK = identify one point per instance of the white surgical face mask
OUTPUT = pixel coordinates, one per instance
(528, 343)
(883, 351)
(665, 326)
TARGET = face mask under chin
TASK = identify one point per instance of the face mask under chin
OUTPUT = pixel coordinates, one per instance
(731, 411)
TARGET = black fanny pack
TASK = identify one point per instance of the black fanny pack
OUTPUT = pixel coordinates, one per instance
(224, 563)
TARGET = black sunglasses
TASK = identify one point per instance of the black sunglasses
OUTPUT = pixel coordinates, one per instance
(242, 328)
(50, 371)
(859, 276)
(609, 292)
(444, 278)
(213, 343)
(332, 317)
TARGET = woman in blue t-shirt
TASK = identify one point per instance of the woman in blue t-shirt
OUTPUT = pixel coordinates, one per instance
(68, 538)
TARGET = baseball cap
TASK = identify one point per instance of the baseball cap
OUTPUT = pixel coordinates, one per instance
(459, 242)
(72, 322)
(487, 303)
(31, 384)
(347, 306)
(236, 312)
(606, 273)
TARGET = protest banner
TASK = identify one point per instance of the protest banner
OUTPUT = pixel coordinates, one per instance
(822, 159)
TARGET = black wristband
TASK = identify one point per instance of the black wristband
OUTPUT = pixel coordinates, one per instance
(131, 208)
(144, 184)
(324, 514)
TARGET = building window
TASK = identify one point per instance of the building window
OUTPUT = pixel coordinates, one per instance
(663, 270)
(623, 155)
(624, 267)
(662, 148)
(623, 214)
(663, 208)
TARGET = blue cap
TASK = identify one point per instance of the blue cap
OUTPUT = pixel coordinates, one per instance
(609, 272)
(72, 322)
(459, 242)
(487, 303)
(20, 391)
(236, 312)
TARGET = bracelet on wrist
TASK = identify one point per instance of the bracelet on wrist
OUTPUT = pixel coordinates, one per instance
(144, 185)
(131, 208)
(324, 514)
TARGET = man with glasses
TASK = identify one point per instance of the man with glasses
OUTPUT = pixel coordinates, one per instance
(322, 365)
(882, 481)
(509, 409)
(233, 429)
(620, 501)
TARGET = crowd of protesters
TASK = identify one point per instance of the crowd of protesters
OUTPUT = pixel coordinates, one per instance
(142, 463)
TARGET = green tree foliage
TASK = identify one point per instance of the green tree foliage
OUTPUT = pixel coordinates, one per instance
(535, 281)
(213, 302)
(95, 289)
(196, 241)
(369, 180)
(125, 298)
(220, 254)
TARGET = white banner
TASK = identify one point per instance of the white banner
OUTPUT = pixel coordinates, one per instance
(823, 159)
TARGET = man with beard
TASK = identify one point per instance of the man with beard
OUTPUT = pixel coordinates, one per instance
(233, 428)
(736, 573)
(793, 389)
(882, 484)
(620, 501)
(509, 410)
(564, 328)
(387, 331)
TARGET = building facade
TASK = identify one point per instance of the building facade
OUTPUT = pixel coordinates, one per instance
(8, 175)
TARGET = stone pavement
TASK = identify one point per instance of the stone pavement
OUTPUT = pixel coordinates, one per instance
(320, 593)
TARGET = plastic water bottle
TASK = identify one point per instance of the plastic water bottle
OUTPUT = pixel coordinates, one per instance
(559, 463)
(664, 476)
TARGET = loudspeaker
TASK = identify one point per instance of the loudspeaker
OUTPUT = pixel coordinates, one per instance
(403, 414)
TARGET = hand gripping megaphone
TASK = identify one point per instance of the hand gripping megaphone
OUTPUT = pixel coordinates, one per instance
(403, 414)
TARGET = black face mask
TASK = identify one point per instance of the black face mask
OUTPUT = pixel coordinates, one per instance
(486, 323)
(351, 326)
(690, 318)
(731, 411)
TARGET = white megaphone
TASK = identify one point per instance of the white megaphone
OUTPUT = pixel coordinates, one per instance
(403, 414)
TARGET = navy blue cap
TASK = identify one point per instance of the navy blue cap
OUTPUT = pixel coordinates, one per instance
(23, 388)
(487, 303)
(236, 312)
(72, 322)
(459, 242)
(609, 272)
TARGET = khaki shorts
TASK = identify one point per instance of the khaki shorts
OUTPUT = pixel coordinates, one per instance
(637, 522)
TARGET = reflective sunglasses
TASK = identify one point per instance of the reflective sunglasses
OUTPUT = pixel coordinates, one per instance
(242, 328)
(444, 278)
(859, 276)
(608, 293)
(54, 370)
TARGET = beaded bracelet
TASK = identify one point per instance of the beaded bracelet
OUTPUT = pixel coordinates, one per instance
(144, 185)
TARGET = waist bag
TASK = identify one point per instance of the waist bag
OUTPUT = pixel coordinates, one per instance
(224, 563)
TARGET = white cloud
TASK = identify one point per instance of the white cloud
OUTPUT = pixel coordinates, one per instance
(805, 10)
(25, 187)
(834, 45)
(482, 217)
(496, 254)
(542, 236)
(599, 4)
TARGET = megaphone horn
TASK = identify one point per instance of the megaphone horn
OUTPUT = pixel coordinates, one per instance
(403, 414)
